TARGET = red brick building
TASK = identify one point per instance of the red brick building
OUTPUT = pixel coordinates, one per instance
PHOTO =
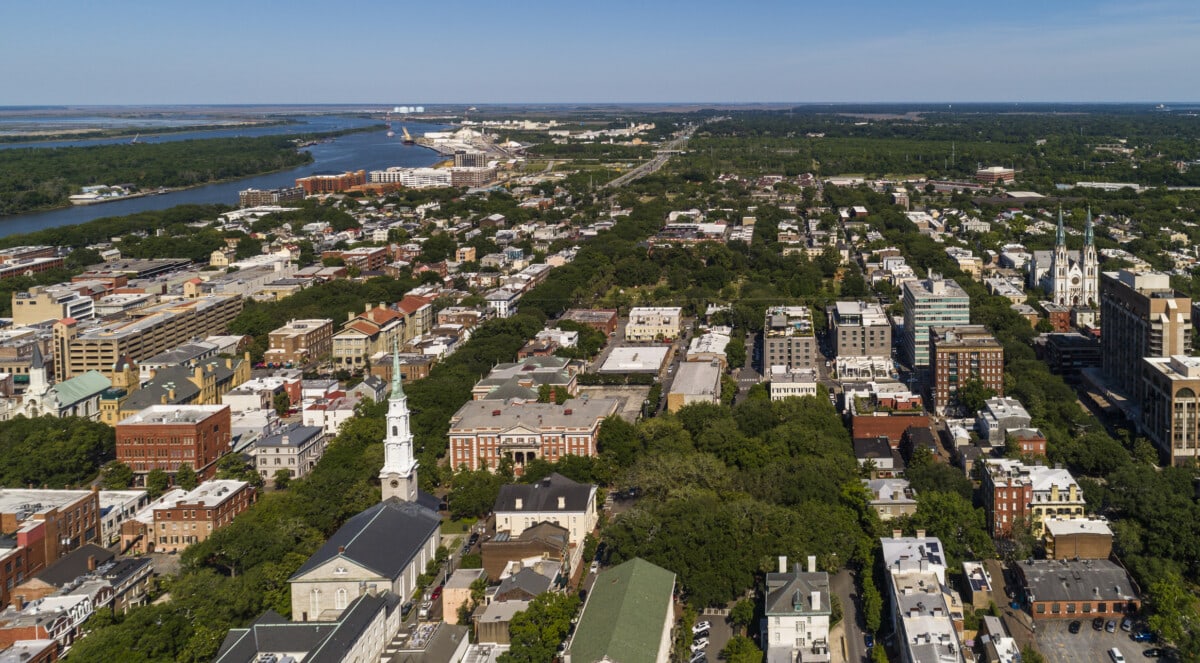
(44, 525)
(604, 319)
(164, 437)
(300, 341)
(1030, 441)
(960, 354)
(181, 518)
(330, 183)
(367, 258)
(1058, 315)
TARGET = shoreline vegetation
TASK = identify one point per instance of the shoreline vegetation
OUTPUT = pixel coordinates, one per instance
(43, 179)
(100, 134)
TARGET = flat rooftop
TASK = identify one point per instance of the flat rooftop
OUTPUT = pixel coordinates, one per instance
(632, 359)
(31, 501)
(172, 414)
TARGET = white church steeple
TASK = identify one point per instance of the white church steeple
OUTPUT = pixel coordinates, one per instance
(398, 477)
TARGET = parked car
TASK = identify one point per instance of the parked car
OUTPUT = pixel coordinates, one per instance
(1075, 626)
(1142, 636)
(423, 613)
(405, 609)
(869, 640)
(1154, 652)
(595, 568)
(437, 593)
(1098, 624)
(1111, 626)
(699, 657)
(1116, 655)
(700, 645)
(700, 627)
(1127, 624)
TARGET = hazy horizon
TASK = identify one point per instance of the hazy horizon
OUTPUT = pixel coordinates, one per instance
(126, 52)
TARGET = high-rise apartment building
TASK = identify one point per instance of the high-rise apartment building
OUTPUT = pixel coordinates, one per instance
(788, 338)
(1141, 316)
(860, 329)
(960, 354)
(1171, 406)
(931, 302)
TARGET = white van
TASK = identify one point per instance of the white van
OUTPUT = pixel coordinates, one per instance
(1116, 655)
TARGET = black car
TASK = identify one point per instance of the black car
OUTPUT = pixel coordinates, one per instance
(1075, 626)
(1098, 624)
(405, 609)
(1154, 652)
(474, 539)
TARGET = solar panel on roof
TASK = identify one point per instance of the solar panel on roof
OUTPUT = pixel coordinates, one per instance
(933, 546)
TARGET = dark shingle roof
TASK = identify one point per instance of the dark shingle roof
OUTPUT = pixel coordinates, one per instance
(73, 565)
(384, 538)
(543, 495)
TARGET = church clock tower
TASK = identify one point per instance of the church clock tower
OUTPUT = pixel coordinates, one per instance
(398, 478)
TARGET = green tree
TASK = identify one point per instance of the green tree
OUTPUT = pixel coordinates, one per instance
(157, 483)
(741, 649)
(537, 631)
(544, 393)
(973, 395)
(735, 352)
(185, 477)
(282, 403)
(742, 615)
(1175, 614)
(473, 493)
(116, 476)
(238, 467)
(282, 478)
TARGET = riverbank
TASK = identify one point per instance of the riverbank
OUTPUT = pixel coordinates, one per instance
(32, 138)
(34, 179)
(366, 149)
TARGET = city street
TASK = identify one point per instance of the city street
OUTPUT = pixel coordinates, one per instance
(852, 645)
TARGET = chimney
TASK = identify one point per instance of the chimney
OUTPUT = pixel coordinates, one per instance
(341, 549)
(920, 534)
(568, 411)
(562, 502)
(367, 307)
(896, 534)
(812, 563)
(520, 503)
(285, 440)
(816, 601)
(350, 316)
(19, 602)
(91, 562)
(783, 563)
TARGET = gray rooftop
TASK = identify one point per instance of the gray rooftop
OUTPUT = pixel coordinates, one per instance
(575, 414)
(544, 495)
(384, 538)
(1082, 580)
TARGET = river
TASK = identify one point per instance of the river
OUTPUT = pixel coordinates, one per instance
(371, 150)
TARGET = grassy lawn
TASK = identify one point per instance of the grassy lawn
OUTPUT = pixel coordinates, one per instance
(458, 526)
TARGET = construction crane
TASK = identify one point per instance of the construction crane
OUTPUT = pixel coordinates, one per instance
(408, 139)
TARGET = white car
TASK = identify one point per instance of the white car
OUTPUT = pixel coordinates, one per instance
(700, 645)
(595, 568)
(701, 627)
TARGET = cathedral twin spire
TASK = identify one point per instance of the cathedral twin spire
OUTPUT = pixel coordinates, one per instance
(1074, 282)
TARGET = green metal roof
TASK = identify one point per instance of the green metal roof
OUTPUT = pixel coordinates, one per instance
(625, 615)
(81, 387)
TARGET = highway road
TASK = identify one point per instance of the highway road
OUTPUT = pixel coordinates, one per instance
(660, 159)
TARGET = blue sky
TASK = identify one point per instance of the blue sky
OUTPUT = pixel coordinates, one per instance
(304, 51)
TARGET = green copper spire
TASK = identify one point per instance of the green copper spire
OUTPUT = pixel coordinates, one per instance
(1088, 235)
(397, 390)
(1061, 240)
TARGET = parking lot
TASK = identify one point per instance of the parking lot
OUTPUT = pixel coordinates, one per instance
(1088, 646)
(718, 635)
